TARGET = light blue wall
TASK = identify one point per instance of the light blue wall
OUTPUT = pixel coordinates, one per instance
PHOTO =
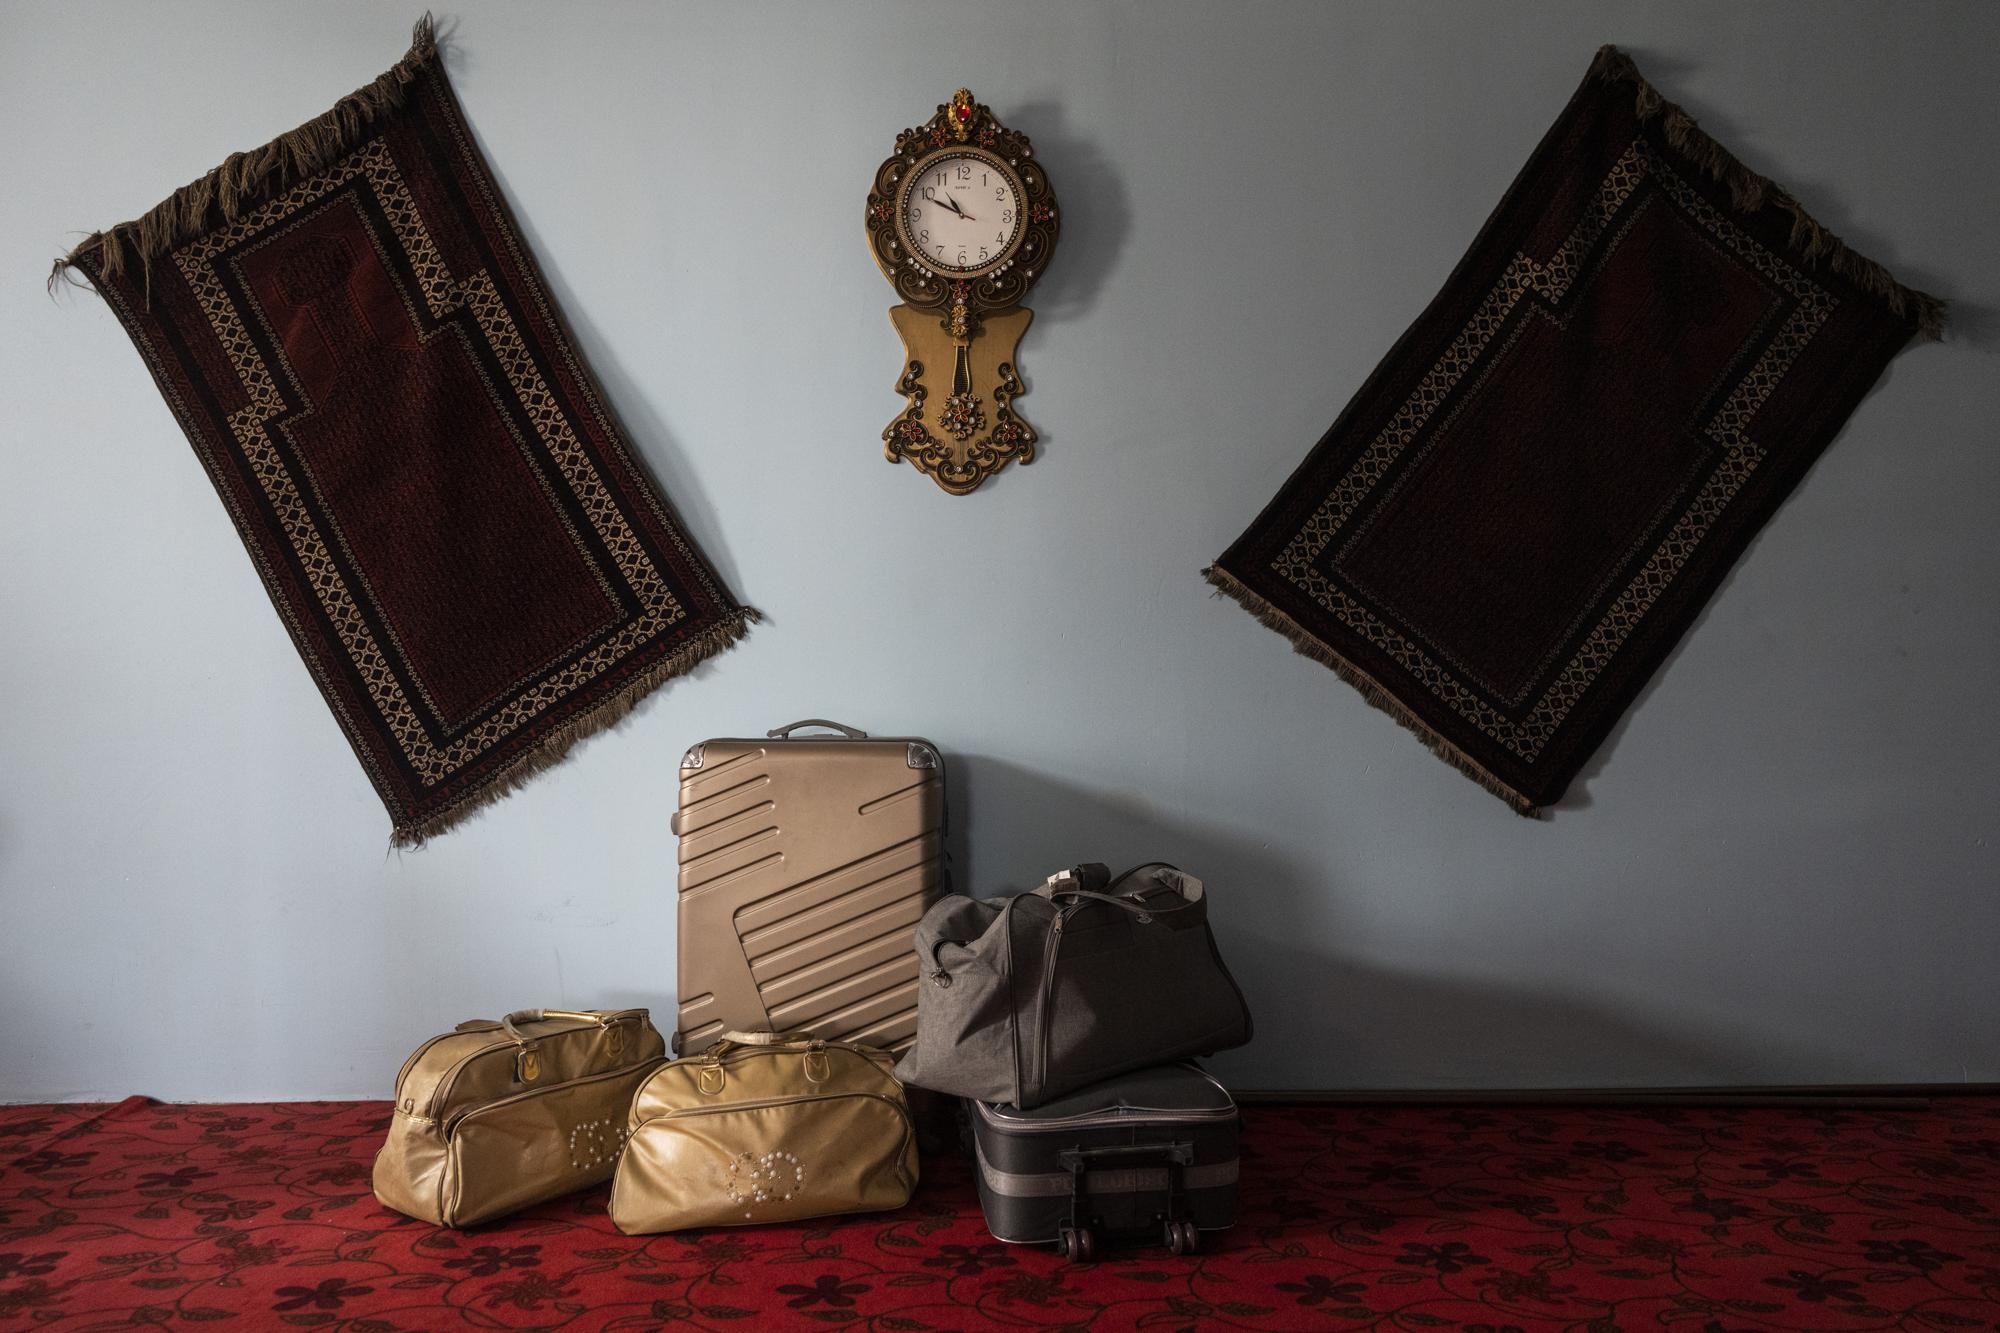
(1781, 869)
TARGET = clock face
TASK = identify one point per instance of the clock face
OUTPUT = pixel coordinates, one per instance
(960, 212)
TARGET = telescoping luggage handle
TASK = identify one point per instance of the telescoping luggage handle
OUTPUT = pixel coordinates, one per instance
(528, 1055)
(1075, 1239)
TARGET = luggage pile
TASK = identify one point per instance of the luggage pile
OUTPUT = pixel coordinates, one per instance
(1061, 1016)
(821, 969)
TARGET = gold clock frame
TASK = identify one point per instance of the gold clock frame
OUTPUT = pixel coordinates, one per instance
(961, 330)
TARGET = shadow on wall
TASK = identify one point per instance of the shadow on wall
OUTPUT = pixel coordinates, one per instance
(649, 440)
(658, 454)
(1969, 323)
(1325, 1019)
(1095, 215)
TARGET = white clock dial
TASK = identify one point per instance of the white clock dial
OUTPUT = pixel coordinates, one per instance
(961, 212)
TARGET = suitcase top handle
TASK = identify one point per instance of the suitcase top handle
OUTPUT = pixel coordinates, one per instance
(785, 733)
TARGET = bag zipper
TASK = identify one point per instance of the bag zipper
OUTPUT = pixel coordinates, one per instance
(762, 1103)
(415, 1056)
(993, 1115)
(752, 1052)
(450, 1075)
(1047, 1034)
(1110, 1119)
(451, 1125)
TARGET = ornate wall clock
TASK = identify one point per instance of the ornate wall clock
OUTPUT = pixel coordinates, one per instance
(962, 220)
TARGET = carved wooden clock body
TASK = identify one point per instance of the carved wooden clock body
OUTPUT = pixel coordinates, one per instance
(961, 220)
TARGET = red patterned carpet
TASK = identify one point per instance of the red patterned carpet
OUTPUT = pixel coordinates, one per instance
(1476, 1220)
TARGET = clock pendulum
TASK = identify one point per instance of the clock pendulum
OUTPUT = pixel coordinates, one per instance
(961, 220)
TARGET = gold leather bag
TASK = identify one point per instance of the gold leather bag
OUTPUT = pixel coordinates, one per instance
(493, 1117)
(765, 1127)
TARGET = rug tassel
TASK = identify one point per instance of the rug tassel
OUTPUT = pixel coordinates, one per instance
(1306, 645)
(551, 750)
(1749, 192)
(245, 180)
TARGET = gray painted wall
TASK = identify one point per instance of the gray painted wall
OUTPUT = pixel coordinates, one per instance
(1780, 869)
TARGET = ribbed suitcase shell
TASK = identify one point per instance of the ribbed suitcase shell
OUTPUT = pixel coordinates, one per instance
(1024, 1189)
(805, 863)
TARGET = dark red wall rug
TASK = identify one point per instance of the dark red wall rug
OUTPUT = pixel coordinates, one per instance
(1532, 497)
(356, 340)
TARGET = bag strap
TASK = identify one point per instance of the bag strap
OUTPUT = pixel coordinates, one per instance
(527, 1058)
(1144, 915)
(813, 1047)
(811, 1043)
(1083, 876)
(765, 1038)
(711, 1075)
(603, 1018)
(1190, 888)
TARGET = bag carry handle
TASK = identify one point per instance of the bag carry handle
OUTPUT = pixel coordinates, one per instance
(812, 1041)
(1166, 916)
(1190, 888)
(765, 1038)
(711, 1077)
(1069, 884)
(528, 1058)
(785, 733)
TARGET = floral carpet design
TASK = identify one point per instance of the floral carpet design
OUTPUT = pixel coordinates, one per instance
(1477, 1220)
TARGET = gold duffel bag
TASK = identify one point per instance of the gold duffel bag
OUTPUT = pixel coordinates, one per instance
(493, 1117)
(765, 1127)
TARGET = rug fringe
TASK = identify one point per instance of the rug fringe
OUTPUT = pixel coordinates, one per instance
(1306, 644)
(552, 749)
(1749, 192)
(247, 179)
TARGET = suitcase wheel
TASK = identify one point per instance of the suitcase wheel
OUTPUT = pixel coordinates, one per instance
(1076, 1244)
(1183, 1237)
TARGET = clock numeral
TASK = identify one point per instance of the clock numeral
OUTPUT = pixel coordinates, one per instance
(924, 235)
(964, 172)
(961, 254)
(982, 254)
(999, 194)
(984, 180)
(999, 236)
(1007, 215)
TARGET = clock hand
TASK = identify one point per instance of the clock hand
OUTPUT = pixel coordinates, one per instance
(952, 204)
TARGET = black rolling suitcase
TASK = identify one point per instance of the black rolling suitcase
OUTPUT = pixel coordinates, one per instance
(1148, 1157)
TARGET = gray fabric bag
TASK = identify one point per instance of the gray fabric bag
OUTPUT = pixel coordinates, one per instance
(1026, 998)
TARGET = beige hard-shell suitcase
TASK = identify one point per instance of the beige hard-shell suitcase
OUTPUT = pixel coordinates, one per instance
(805, 863)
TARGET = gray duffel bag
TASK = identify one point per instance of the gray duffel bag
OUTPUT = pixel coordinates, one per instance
(1026, 998)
